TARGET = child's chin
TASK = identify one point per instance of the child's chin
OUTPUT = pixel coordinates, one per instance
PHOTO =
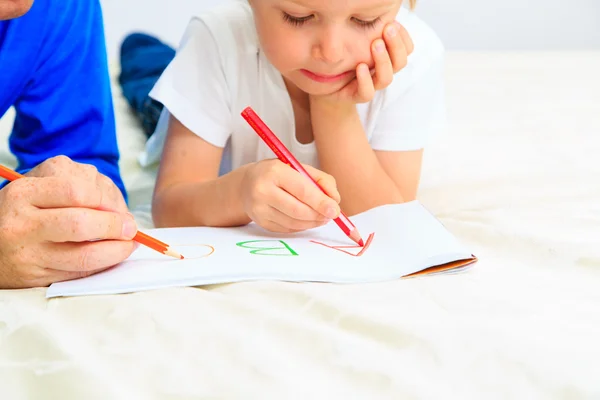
(323, 89)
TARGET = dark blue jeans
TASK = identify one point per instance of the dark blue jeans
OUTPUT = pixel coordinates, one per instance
(143, 60)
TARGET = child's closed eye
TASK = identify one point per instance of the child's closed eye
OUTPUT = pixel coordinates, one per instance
(367, 24)
(296, 21)
(300, 21)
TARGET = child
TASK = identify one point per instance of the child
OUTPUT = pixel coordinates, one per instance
(337, 81)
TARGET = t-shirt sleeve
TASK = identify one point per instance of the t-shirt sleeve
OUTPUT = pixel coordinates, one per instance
(67, 108)
(193, 87)
(411, 116)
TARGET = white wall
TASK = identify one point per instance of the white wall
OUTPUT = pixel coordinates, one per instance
(462, 24)
(166, 19)
(516, 24)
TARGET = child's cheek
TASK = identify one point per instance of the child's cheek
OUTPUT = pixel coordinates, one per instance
(288, 52)
(361, 50)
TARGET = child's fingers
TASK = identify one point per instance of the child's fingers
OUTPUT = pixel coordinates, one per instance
(406, 39)
(395, 36)
(292, 224)
(307, 192)
(384, 70)
(326, 181)
(366, 87)
(273, 226)
(287, 204)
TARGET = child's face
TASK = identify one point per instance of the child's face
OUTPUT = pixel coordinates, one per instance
(317, 44)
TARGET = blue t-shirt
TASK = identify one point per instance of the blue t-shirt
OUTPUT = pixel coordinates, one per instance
(53, 70)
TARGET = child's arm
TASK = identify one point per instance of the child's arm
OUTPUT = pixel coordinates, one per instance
(387, 169)
(365, 178)
(189, 192)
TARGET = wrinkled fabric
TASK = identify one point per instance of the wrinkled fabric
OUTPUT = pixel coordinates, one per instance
(515, 179)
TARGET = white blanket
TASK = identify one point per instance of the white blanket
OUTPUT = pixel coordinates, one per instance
(516, 178)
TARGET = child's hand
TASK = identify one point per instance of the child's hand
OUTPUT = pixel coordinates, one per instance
(280, 199)
(390, 55)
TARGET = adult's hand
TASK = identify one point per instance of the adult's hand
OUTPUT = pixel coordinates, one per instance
(63, 221)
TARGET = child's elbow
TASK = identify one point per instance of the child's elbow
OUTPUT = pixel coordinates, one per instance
(160, 212)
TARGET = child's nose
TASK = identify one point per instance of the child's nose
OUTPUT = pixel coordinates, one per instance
(330, 47)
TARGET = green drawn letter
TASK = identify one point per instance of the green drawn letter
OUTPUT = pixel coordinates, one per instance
(282, 249)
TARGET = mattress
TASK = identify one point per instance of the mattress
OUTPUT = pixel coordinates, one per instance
(516, 178)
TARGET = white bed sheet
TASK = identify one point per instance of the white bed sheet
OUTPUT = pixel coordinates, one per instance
(516, 178)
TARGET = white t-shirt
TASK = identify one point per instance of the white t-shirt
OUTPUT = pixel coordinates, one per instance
(219, 70)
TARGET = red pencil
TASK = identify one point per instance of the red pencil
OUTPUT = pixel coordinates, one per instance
(286, 157)
(140, 237)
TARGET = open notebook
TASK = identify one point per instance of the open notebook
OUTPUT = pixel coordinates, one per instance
(402, 241)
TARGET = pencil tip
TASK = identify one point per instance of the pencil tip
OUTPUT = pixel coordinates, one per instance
(355, 236)
(173, 254)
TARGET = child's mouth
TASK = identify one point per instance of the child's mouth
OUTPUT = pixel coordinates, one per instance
(325, 78)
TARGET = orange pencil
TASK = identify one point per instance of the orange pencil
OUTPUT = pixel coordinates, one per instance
(140, 237)
(156, 244)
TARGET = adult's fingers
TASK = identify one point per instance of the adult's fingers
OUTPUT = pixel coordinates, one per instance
(62, 167)
(60, 225)
(58, 192)
(46, 276)
(85, 257)
(114, 200)
(55, 192)
(63, 276)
